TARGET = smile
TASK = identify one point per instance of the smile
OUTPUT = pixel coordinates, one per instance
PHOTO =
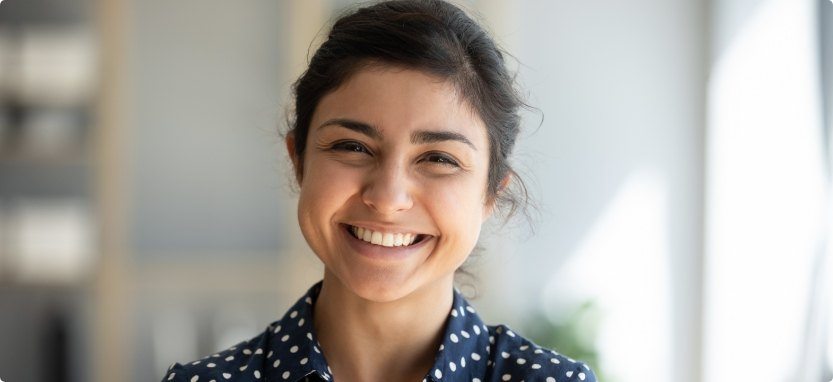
(385, 239)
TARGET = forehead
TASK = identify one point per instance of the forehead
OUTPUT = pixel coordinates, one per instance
(401, 100)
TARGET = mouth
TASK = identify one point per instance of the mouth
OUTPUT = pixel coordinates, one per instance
(385, 239)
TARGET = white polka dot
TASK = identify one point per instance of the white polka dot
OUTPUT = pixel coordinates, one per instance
(463, 312)
(581, 376)
(470, 309)
(476, 329)
(195, 378)
(538, 351)
(463, 361)
(465, 333)
(195, 363)
(285, 375)
(509, 332)
(555, 360)
(571, 360)
(454, 312)
(243, 367)
(536, 366)
(491, 339)
(521, 361)
(475, 356)
(257, 374)
(285, 338)
(506, 377)
(293, 314)
(211, 364)
(293, 349)
(550, 379)
(227, 375)
(304, 361)
(309, 335)
(569, 374)
(316, 349)
(277, 329)
(270, 354)
(259, 351)
(276, 363)
(230, 358)
(438, 373)
(453, 338)
(475, 380)
(504, 354)
(308, 300)
(524, 347)
(247, 351)
(452, 366)
(442, 346)
(170, 377)
(301, 322)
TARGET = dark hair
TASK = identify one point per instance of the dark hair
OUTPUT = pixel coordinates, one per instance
(431, 36)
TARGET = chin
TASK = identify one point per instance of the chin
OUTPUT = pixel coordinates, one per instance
(377, 285)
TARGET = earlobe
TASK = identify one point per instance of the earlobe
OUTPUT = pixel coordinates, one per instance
(290, 149)
(489, 207)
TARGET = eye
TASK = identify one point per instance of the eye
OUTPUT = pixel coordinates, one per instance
(350, 146)
(441, 159)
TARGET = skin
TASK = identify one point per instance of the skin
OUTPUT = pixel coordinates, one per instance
(394, 150)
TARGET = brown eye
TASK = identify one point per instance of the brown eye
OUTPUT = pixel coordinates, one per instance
(441, 159)
(350, 146)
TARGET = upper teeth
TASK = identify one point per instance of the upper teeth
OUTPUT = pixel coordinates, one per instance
(384, 239)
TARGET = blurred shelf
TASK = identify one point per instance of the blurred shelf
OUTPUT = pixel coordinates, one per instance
(69, 158)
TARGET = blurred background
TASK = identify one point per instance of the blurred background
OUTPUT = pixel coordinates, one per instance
(680, 160)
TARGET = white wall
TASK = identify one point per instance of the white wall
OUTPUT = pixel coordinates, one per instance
(617, 169)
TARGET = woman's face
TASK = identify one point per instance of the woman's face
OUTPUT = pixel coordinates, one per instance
(393, 156)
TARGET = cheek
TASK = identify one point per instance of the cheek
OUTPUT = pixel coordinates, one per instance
(458, 209)
(324, 190)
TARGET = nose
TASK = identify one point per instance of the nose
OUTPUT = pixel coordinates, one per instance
(387, 190)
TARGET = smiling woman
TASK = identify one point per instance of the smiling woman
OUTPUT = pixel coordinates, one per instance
(403, 126)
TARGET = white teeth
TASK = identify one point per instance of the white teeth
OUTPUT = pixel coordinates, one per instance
(376, 238)
(384, 239)
(387, 240)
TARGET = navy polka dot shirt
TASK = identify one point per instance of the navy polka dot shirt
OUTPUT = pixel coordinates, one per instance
(471, 352)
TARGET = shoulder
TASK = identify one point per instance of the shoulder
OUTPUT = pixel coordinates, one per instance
(516, 358)
(237, 361)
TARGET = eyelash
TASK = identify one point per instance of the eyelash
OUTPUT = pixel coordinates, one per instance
(351, 146)
(356, 147)
(442, 159)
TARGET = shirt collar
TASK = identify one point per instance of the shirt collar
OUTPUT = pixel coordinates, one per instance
(298, 352)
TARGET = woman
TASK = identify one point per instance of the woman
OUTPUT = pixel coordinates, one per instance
(400, 141)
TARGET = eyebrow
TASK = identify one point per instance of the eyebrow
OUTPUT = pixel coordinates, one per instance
(418, 137)
(424, 137)
(359, 127)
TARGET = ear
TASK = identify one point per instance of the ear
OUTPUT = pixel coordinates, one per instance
(491, 203)
(290, 149)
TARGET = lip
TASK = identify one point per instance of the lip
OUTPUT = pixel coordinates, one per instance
(378, 252)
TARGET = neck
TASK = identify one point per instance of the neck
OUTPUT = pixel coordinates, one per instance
(365, 340)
